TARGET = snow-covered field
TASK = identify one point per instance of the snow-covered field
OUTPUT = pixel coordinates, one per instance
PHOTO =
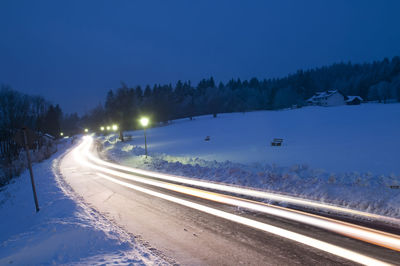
(345, 155)
(64, 231)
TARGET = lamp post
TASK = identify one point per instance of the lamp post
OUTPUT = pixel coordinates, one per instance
(144, 121)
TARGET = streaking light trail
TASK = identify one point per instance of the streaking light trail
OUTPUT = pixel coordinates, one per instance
(335, 250)
(365, 234)
(243, 191)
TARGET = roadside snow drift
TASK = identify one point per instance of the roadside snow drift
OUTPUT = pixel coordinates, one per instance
(346, 155)
(64, 231)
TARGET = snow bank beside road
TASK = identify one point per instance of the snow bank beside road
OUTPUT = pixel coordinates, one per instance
(359, 136)
(7, 172)
(359, 191)
(64, 231)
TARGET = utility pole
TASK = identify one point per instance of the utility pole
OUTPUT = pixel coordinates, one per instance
(28, 156)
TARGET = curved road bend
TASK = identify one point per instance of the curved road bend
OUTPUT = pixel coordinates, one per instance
(194, 230)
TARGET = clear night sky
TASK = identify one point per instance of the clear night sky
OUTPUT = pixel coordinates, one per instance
(72, 52)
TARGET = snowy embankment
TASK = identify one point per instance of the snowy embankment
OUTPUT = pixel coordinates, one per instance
(64, 231)
(346, 155)
(19, 164)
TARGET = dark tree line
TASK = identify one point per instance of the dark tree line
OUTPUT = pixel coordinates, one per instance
(19, 110)
(376, 81)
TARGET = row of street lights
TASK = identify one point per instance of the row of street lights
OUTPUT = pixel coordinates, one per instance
(108, 128)
(144, 121)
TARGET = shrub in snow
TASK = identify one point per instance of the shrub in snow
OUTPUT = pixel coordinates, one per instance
(128, 137)
(127, 148)
(17, 166)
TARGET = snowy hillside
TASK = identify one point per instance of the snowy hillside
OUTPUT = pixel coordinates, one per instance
(346, 155)
(345, 138)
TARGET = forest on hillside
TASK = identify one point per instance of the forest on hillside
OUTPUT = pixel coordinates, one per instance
(376, 81)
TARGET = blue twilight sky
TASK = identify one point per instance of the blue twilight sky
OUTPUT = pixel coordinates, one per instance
(72, 52)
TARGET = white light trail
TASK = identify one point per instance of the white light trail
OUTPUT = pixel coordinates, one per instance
(244, 191)
(358, 232)
(335, 250)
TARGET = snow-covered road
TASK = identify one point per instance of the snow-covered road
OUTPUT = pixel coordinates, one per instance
(194, 230)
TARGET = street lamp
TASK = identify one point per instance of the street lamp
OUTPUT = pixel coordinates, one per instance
(102, 128)
(86, 130)
(144, 121)
(115, 127)
(108, 128)
(61, 134)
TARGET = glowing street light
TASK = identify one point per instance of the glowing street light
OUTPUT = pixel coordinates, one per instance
(61, 134)
(108, 128)
(114, 127)
(102, 128)
(144, 121)
(86, 130)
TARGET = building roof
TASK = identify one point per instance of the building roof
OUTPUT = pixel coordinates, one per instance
(320, 95)
(352, 98)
